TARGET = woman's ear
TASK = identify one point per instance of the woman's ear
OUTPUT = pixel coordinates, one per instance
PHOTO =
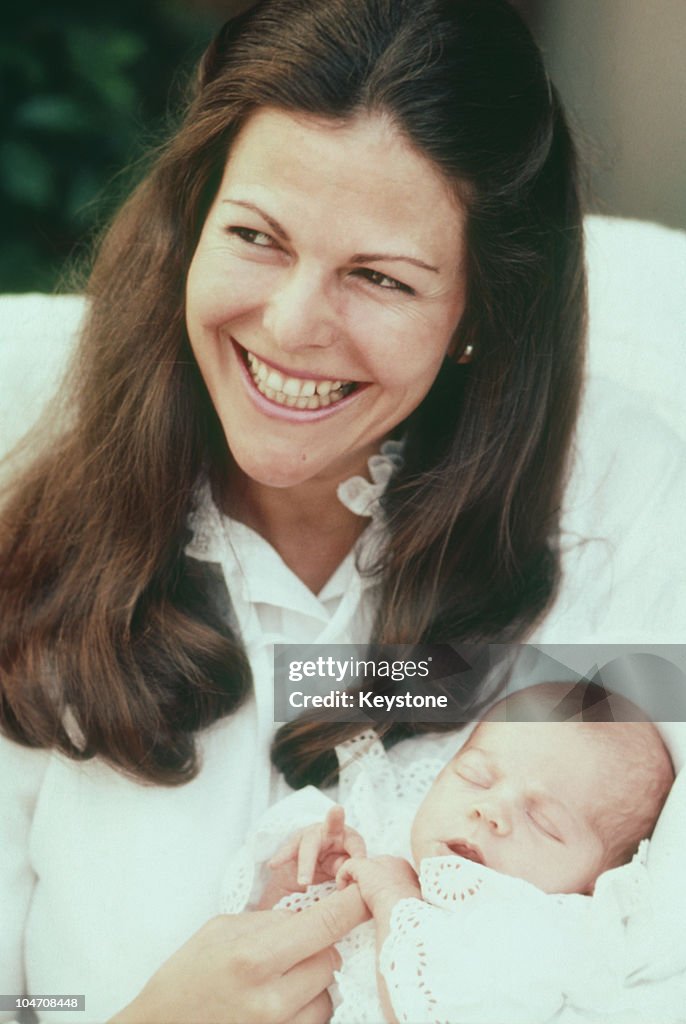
(466, 355)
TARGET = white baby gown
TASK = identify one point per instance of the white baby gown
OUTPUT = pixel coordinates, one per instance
(479, 947)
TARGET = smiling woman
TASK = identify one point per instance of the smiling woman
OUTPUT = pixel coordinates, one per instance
(350, 288)
(311, 351)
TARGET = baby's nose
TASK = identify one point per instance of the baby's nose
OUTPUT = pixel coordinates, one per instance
(494, 815)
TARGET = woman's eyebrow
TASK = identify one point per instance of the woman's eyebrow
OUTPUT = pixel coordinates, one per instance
(360, 258)
(375, 257)
(273, 224)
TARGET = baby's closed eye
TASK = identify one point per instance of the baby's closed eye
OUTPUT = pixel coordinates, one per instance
(544, 825)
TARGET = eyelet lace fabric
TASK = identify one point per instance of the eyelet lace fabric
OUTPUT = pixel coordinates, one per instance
(484, 948)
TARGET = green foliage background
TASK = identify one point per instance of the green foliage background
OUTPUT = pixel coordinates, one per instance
(84, 89)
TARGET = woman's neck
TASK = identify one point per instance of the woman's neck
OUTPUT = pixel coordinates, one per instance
(308, 525)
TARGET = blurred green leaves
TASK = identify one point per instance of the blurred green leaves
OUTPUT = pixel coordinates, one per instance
(83, 89)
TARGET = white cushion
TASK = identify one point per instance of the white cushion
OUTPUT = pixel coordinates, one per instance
(637, 300)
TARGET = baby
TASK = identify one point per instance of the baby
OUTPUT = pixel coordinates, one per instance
(552, 803)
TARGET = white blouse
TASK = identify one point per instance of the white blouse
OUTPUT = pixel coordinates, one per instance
(102, 878)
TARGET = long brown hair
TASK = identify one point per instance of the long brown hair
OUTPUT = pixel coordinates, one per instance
(101, 613)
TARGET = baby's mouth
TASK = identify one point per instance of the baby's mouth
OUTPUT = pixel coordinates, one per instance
(466, 850)
(295, 392)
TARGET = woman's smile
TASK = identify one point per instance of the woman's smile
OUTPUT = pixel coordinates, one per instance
(292, 392)
(324, 293)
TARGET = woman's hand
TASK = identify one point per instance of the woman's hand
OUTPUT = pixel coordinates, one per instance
(254, 968)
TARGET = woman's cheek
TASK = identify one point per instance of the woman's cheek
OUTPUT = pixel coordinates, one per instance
(231, 293)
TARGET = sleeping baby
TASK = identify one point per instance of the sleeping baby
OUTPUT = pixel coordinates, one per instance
(524, 886)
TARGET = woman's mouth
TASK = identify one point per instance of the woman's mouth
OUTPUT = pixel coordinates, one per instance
(305, 393)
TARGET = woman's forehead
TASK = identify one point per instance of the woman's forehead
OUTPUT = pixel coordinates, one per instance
(362, 168)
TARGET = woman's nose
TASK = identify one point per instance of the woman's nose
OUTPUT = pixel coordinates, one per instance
(298, 312)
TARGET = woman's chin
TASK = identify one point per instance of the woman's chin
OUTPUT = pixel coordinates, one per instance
(275, 472)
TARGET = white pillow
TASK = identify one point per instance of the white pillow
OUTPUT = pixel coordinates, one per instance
(637, 303)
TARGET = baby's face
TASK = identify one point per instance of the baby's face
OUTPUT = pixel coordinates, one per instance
(521, 798)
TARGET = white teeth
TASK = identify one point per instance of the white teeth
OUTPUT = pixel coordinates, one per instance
(292, 387)
(296, 392)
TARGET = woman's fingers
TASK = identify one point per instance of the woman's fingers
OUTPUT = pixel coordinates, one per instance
(296, 937)
(233, 968)
(308, 979)
(318, 1011)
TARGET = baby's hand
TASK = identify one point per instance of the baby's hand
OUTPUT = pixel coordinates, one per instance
(383, 881)
(319, 851)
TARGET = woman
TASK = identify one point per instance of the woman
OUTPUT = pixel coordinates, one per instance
(369, 203)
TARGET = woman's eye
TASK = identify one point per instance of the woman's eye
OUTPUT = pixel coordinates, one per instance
(380, 280)
(253, 237)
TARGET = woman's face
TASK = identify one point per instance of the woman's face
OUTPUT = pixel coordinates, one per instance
(324, 292)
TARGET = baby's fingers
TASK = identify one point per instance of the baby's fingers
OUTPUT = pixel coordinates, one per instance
(337, 837)
(354, 844)
(308, 854)
(337, 864)
(286, 852)
(334, 826)
(347, 872)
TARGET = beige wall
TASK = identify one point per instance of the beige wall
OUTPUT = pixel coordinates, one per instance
(620, 66)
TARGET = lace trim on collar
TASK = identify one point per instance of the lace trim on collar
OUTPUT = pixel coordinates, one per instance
(364, 497)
